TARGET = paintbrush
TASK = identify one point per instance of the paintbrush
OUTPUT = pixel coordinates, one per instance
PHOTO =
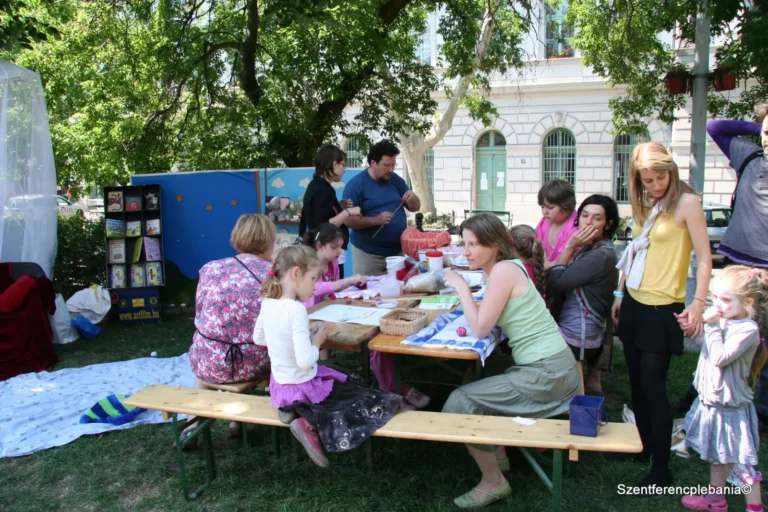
(393, 215)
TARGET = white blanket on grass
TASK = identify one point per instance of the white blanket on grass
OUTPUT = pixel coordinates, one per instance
(42, 410)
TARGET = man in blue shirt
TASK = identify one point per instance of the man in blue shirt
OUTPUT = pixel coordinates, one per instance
(378, 192)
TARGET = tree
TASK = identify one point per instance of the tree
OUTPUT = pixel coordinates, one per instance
(497, 31)
(20, 26)
(619, 40)
(138, 86)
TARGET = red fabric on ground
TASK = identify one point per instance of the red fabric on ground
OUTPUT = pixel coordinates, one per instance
(413, 240)
(26, 337)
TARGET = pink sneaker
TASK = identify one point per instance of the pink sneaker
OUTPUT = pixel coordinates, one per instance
(415, 397)
(307, 436)
(406, 406)
(702, 503)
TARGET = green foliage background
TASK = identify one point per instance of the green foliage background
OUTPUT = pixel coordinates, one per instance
(80, 256)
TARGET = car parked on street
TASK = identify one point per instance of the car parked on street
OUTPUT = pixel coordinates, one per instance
(63, 205)
(718, 217)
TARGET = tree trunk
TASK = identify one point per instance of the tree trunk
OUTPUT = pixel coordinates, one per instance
(415, 145)
(414, 160)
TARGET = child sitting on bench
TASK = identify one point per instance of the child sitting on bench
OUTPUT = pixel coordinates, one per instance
(335, 413)
(326, 239)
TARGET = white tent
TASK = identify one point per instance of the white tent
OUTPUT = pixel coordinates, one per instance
(27, 171)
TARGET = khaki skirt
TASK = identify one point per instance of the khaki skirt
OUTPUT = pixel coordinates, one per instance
(541, 389)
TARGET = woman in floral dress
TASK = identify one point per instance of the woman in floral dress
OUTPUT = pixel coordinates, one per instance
(227, 303)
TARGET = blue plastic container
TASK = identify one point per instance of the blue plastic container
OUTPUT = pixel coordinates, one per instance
(586, 415)
(85, 327)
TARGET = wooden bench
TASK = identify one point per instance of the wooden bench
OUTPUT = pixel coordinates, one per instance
(416, 425)
(236, 387)
(239, 387)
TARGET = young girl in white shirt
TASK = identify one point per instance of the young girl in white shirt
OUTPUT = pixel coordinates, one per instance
(722, 423)
(335, 414)
(326, 239)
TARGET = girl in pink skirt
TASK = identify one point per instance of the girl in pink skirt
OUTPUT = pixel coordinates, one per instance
(335, 413)
(326, 239)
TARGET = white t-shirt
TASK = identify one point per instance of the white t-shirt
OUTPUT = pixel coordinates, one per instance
(283, 326)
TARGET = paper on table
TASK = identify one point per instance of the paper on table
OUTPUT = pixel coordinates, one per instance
(339, 313)
(524, 421)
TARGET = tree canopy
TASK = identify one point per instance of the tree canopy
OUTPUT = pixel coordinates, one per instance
(618, 38)
(136, 86)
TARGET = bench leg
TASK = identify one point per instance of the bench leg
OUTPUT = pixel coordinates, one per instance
(557, 477)
(537, 468)
(554, 485)
(244, 429)
(210, 461)
(180, 452)
(204, 427)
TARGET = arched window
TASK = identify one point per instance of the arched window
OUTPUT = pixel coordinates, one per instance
(491, 140)
(356, 149)
(622, 149)
(559, 157)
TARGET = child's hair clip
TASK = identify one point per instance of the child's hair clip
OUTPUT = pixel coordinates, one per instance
(270, 273)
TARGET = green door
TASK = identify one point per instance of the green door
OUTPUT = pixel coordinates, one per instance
(491, 183)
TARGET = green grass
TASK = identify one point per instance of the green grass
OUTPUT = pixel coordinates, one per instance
(137, 470)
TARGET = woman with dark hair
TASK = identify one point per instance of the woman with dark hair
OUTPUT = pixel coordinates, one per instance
(326, 240)
(543, 378)
(320, 201)
(581, 284)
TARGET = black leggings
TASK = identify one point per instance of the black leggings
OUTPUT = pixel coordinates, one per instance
(650, 403)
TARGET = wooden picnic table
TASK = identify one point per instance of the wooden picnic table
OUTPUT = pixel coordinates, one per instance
(355, 337)
(347, 336)
(392, 344)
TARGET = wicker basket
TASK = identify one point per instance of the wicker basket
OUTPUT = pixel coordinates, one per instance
(402, 322)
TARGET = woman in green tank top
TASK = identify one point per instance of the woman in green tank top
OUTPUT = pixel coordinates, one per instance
(543, 378)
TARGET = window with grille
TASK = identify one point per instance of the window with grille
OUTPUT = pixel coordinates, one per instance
(429, 167)
(622, 149)
(558, 33)
(559, 157)
(356, 149)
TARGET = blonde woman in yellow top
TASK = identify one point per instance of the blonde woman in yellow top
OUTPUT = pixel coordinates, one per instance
(649, 308)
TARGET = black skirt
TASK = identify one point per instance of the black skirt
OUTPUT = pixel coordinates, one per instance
(650, 328)
(349, 415)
